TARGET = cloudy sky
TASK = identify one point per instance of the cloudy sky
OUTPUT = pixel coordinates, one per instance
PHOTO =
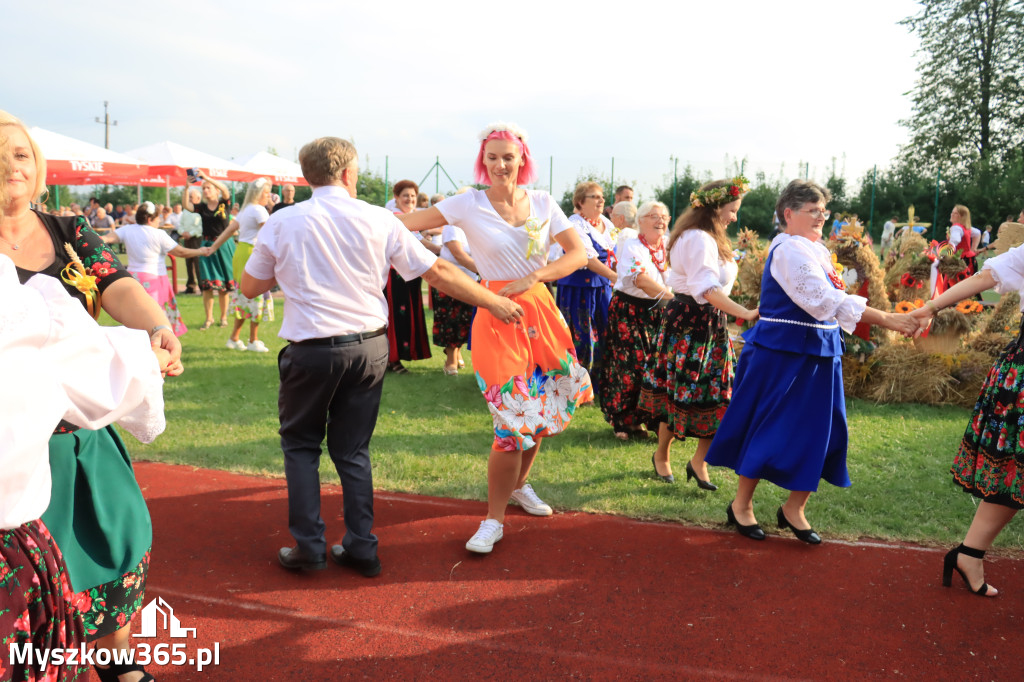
(777, 83)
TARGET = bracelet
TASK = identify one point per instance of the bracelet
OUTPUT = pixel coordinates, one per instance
(931, 304)
(157, 328)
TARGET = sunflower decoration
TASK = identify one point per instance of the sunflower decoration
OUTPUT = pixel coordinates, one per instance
(969, 307)
(904, 307)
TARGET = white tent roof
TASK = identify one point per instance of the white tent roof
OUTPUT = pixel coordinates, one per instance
(173, 158)
(280, 170)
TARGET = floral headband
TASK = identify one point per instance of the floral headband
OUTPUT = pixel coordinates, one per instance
(501, 127)
(717, 196)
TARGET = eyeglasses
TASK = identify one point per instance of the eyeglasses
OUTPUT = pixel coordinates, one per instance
(816, 213)
(594, 196)
(656, 216)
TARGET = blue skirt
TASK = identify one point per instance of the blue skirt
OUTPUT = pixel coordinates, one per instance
(787, 420)
(585, 310)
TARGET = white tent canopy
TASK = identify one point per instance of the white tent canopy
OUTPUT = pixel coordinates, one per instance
(74, 162)
(172, 159)
(280, 171)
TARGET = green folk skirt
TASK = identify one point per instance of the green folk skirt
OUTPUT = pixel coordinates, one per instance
(97, 513)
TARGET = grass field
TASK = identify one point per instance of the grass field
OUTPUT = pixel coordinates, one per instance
(433, 436)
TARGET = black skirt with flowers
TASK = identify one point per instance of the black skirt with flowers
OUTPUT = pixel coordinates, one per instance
(633, 325)
(109, 607)
(990, 461)
(407, 326)
(688, 379)
(452, 320)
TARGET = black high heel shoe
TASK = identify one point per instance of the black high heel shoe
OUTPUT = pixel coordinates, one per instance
(701, 483)
(949, 565)
(668, 479)
(754, 532)
(808, 536)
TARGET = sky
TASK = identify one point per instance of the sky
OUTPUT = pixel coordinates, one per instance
(645, 83)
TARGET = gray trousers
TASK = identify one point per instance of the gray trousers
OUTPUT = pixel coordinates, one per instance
(331, 390)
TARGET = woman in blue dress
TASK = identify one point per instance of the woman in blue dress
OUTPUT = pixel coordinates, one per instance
(787, 419)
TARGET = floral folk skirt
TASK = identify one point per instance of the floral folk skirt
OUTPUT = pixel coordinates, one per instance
(586, 311)
(36, 603)
(215, 270)
(633, 325)
(259, 309)
(452, 320)
(527, 370)
(160, 289)
(990, 462)
(109, 607)
(688, 378)
(407, 327)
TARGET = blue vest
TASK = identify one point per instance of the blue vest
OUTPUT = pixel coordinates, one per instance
(785, 336)
(584, 277)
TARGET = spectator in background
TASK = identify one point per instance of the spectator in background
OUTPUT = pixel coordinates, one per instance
(101, 222)
(622, 193)
(986, 238)
(407, 327)
(287, 198)
(422, 201)
(888, 230)
(175, 218)
(624, 219)
(190, 227)
(94, 205)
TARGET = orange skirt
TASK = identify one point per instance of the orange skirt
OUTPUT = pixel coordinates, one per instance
(527, 370)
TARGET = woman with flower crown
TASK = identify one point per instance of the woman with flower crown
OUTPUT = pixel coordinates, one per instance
(527, 371)
(787, 419)
(634, 319)
(688, 379)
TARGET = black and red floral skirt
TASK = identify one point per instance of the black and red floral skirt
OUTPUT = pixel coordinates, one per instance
(407, 327)
(688, 379)
(633, 325)
(36, 603)
(109, 607)
(452, 320)
(990, 462)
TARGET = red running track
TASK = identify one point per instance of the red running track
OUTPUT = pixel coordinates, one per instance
(574, 595)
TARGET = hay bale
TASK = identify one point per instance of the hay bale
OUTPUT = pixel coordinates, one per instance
(900, 373)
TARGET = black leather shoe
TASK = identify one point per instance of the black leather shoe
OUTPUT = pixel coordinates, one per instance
(754, 532)
(295, 559)
(701, 483)
(668, 479)
(365, 567)
(808, 536)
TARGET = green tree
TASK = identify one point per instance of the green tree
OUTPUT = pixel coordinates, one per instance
(676, 192)
(599, 178)
(969, 99)
(370, 188)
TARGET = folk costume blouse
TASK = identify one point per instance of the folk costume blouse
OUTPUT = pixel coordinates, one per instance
(635, 259)
(696, 267)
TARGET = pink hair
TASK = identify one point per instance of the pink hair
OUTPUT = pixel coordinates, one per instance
(527, 172)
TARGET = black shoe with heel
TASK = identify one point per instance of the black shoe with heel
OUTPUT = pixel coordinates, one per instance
(808, 536)
(701, 483)
(113, 672)
(754, 531)
(668, 479)
(949, 565)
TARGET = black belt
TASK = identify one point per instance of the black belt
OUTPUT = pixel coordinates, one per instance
(344, 340)
(641, 302)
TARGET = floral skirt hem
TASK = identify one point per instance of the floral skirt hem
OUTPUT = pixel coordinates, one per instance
(215, 270)
(109, 607)
(36, 603)
(527, 371)
(990, 461)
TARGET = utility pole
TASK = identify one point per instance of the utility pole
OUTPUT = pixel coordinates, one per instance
(106, 124)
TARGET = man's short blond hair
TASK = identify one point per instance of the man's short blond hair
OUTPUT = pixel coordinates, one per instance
(324, 159)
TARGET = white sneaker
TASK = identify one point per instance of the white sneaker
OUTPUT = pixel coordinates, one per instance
(235, 345)
(257, 346)
(483, 540)
(529, 501)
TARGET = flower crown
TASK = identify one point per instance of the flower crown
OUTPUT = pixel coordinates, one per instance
(501, 126)
(717, 196)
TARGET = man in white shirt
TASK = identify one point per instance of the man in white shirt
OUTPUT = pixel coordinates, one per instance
(888, 230)
(331, 255)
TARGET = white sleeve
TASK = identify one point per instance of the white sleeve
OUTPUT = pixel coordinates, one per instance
(559, 223)
(1007, 270)
(956, 234)
(166, 243)
(582, 228)
(456, 208)
(634, 259)
(451, 233)
(695, 255)
(406, 255)
(803, 278)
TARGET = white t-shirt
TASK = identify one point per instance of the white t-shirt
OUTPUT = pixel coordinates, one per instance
(696, 267)
(147, 248)
(634, 260)
(59, 364)
(330, 255)
(499, 249)
(250, 220)
(1008, 271)
(455, 234)
(799, 266)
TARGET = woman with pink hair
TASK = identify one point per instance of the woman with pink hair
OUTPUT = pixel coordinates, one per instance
(527, 371)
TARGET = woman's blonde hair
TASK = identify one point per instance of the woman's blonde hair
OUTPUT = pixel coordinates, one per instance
(7, 119)
(965, 215)
(254, 190)
(704, 218)
(5, 172)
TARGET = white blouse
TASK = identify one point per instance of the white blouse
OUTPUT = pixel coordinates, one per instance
(799, 266)
(147, 248)
(499, 249)
(697, 268)
(635, 260)
(450, 233)
(250, 220)
(1008, 271)
(57, 363)
(584, 229)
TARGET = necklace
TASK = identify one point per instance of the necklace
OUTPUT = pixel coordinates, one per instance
(14, 246)
(657, 254)
(595, 222)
